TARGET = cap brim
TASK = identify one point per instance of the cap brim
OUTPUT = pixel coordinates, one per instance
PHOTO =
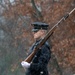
(34, 30)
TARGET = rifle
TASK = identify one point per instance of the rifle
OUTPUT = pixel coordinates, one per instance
(30, 57)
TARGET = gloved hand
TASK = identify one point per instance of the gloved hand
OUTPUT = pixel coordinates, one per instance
(25, 64)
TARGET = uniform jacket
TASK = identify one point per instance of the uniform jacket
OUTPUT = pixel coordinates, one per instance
(40, 60)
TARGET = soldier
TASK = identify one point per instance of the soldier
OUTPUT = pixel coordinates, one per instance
(38, 66)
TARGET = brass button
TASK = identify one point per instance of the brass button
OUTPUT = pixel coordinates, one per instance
(35, 56)
(41, 72)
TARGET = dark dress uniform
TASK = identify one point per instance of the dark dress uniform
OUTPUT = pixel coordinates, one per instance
(42, 56)
(40, 60)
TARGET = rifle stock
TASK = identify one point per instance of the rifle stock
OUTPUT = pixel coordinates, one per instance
(30, 57)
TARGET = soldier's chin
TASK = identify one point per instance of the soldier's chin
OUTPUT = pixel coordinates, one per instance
(37, 39)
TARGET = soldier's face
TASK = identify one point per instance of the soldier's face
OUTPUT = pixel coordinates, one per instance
(39, 34)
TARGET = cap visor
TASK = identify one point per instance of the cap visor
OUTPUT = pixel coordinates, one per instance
(35, 30)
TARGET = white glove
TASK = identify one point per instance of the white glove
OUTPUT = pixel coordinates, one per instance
(25, 64)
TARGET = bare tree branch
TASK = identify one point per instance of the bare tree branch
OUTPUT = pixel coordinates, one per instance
(3, 6)
(36, 9)
(22, 1)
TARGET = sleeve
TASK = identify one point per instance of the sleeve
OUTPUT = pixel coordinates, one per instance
(43, 59)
